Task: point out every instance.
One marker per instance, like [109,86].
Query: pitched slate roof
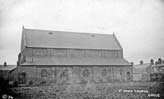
[7,68]
[145,65]
[63,39]
[78,61]
[140,68]
[158,65]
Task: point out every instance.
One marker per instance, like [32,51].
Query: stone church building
[62,57]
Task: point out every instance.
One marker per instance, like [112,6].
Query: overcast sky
[138,24]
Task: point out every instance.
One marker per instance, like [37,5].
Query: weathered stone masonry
[63,58]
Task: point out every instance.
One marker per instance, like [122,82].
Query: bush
[43,82]
[15,83]
[31,82]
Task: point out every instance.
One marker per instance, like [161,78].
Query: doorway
[22,77]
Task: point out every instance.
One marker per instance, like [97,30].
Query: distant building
[157,72]
[159,68]
[67,57]
[6,71]
[142,71]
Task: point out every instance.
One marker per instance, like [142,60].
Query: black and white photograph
[81,49]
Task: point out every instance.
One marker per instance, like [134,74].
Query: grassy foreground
[130,90]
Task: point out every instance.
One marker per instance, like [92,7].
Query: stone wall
[30,54]
[75,74]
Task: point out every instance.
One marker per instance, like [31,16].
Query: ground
[130,90]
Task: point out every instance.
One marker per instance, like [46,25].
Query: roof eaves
[28,46]
[127,62]
[158,65]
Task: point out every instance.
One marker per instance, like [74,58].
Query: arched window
[121,72]
[44,73]
[55,74]
[104,72]
[86,73]
[64,74]
[128,75]
[22,77]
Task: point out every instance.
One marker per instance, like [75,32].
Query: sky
[137,24]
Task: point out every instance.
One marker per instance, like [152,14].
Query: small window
[44,73]
[50,33]
[93,35]
[64,74]
[22,77]
[128,76]
[104,72]
[86,73]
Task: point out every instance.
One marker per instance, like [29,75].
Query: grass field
[130,90]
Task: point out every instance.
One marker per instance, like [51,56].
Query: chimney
[132,63]
[152,62]
[141,62]
[23,27]
[5,64]
[159,61]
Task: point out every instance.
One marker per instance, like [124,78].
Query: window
[22,77]
[121,71]
[162,69]
[128,76]
[104,72]
[64,74]
[86,73]
[44,73]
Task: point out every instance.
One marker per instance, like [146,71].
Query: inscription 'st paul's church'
[68,58]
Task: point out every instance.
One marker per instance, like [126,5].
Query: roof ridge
[142,64]
[96,33]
